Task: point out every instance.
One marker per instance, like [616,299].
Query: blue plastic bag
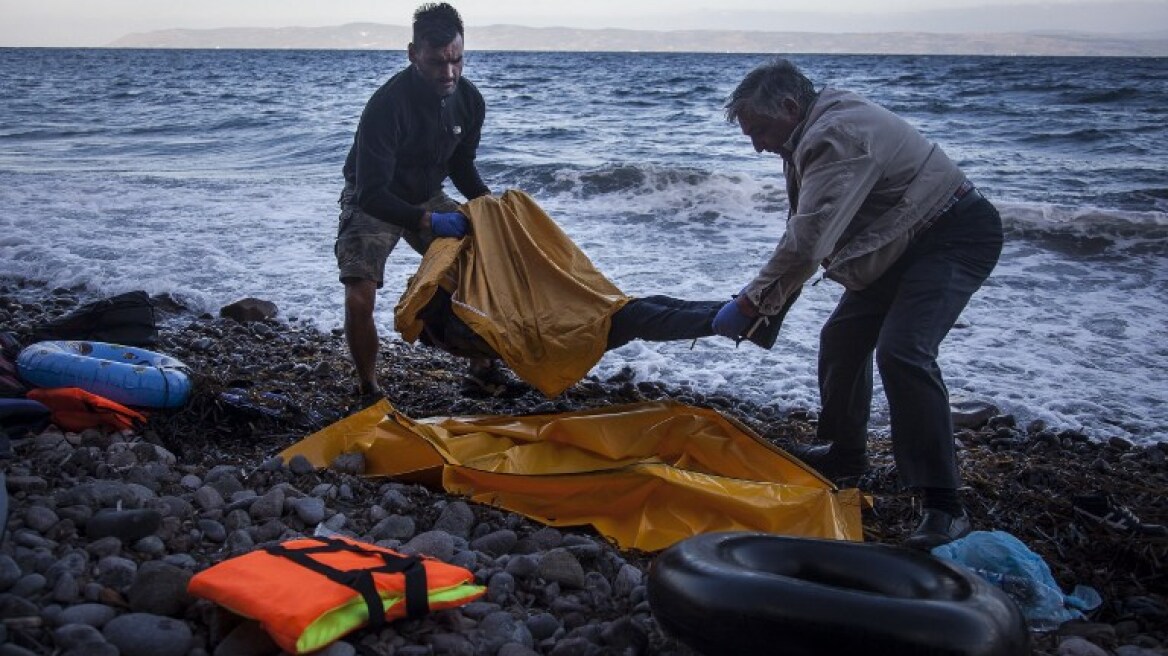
[1025,577]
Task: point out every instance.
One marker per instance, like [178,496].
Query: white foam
[1069,339]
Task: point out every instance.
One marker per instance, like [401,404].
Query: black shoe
[1102,509]
[843,471]
[938,527]
[765,330]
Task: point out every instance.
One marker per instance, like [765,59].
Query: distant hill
[373,36]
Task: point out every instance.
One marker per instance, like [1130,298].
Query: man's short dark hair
[763,90]
[436,24]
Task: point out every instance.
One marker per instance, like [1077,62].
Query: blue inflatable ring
[130,376]
[755,593]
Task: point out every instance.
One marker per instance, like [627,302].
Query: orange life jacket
[74,409]
[308,592]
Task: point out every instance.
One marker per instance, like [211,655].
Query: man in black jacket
[419,128]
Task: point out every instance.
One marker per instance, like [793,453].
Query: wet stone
[145,634]
[126,525]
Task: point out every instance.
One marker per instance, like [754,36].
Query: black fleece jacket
[408,141]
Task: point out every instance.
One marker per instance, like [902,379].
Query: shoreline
[1018,479]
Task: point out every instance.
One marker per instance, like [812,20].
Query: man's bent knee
[360,297]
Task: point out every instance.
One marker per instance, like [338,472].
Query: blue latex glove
[731,322]
[449,224]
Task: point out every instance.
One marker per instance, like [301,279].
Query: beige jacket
[861,183]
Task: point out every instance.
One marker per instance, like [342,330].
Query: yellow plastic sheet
[645,475]
[523,286]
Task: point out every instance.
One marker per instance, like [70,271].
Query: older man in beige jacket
[891,218]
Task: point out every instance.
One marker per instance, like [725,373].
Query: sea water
[213,175]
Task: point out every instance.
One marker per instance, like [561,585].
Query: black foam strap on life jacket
[361,580]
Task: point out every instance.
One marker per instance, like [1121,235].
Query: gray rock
[560,566]
[144,634]
[299,465]
[249,309]
[126,525]
[209,498]
[626,580]
[9,572]
[310,510]
[160,589]
[69,636]
[191,482]
[542,540]
[151,545]
[269,506]
[495,543]
[581,547]
[74,562]
[395,500]
[500,628]
[172,506]
[212,530]
[349,463]
[456,519]
[30,585]
[438,544]
[542,626]
[99,549]
[96,615]
[500,587]
[270,530]
[183,560]
[523,566]
[66,590]
[394,527]
[40,518]
[598,588]
[239,542]
[116,572]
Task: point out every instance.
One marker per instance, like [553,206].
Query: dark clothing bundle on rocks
[127,319]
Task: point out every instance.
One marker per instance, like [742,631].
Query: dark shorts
[364,242]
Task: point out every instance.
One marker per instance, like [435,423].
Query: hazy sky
[98,22]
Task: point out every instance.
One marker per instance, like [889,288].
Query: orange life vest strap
[361,580]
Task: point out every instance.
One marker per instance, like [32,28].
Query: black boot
[843,470]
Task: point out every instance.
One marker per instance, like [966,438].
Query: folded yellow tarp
[645,475]
[523,286]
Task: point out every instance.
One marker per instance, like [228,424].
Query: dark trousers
[902,318]
[662,319]
[653,318]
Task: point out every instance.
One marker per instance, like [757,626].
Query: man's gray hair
[764,89]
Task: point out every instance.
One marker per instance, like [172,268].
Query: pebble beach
[105,529]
